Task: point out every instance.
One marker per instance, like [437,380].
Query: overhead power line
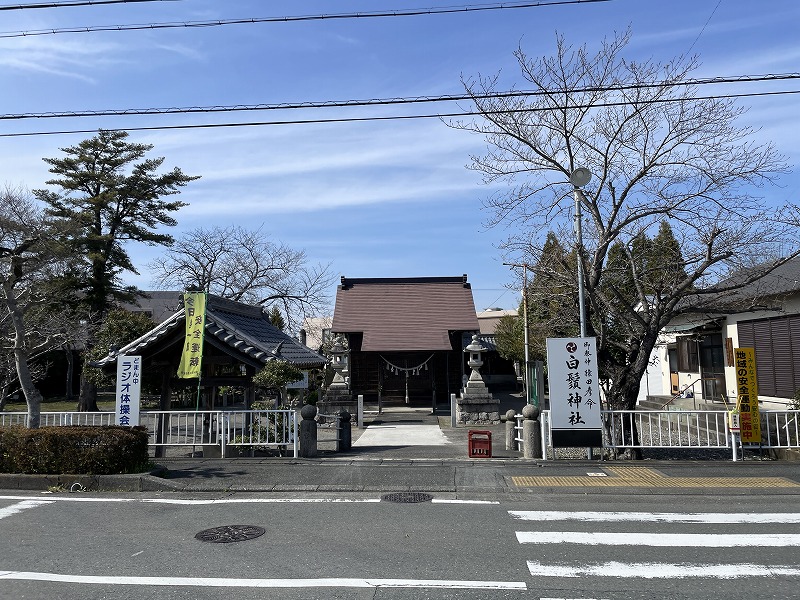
[253,20]
[393,117]
[390,101]
[70,3]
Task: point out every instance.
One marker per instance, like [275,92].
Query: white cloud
[73,58]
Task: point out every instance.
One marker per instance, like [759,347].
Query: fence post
[511,424]
[308,431]
[345,434]
[531,434]
[295,434]
[360,414]
[452,410]
[223,434]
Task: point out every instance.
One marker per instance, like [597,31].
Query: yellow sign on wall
[747,393]
[194,304]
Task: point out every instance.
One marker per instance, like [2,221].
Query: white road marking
[445,501]
[668,540]
[662,571]
[595,517]
[70,498]
[7,511]
[264,583]
[188,502]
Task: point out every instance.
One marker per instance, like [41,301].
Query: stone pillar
[345,432]
[308,431]
[511,423]
[531,432]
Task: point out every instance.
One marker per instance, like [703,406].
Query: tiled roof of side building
[243,328]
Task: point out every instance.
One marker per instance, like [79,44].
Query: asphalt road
[353,545]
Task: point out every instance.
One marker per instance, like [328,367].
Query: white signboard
[129,389]
[299,385]
[574,392]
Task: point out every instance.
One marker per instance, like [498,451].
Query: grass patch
[57,406]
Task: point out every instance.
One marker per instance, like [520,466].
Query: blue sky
[375,199]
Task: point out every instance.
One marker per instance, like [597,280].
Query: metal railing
[329,430]
[49,419]
[780,429]
[690,429]
[518,440]
[681,393]
[666,429]
[252,429]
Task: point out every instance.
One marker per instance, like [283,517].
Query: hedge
[74,449]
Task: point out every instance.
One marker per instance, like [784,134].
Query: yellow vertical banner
[194,304]
[747,393]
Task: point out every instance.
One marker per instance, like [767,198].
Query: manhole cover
[230,533]
[407,497]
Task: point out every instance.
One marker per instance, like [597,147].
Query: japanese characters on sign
[574,391]
[191,359]
[129,388]
[747,394]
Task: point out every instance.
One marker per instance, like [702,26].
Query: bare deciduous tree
[27,257]
[658,154]
[244,265]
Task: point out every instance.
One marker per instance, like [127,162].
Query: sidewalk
[401,464]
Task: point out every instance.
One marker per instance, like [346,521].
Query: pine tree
[276,318]
[113,194]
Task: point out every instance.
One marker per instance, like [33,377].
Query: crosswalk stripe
[7,511]
[673,540]
[644,517]
[662,571]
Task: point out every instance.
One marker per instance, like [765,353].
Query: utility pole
[525,267]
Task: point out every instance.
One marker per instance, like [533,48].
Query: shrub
[73,449]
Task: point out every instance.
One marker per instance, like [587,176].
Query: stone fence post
[511,423]
[308,431]
[345,433]
[531,433]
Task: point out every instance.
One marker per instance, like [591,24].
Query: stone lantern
[475,362]
[339,364]
[476,405]
[337,397]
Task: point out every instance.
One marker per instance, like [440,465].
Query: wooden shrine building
[404,337]
[238,341]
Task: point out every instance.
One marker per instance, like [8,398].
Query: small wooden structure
[238,341]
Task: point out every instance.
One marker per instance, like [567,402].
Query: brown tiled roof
[404,314]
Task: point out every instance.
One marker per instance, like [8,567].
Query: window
[777,345]
[688,356]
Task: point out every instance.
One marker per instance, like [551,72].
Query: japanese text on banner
[129,389]
[191,359]
[747,394]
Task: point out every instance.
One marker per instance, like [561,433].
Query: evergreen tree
[113,194]
[276,318]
